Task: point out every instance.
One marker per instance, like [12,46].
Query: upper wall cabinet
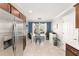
[15,12]
[22,17]
[11,9]
[77,15]
[5,6]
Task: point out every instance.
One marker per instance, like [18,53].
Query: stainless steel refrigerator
[11,32]
[18,37]
[6,21]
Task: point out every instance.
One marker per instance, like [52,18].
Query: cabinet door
[5,6]
[77,15]
[22,17]
[15,12]
[71,51]
[68,53]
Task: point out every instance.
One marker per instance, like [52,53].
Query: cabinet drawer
[5,6]
[72,50]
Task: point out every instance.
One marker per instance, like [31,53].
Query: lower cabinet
[71,51]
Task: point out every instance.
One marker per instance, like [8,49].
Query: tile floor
[45,49]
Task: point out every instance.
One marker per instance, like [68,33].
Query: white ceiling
[43,10]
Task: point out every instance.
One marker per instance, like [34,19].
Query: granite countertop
[74,44]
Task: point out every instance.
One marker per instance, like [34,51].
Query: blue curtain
[30,27]
[48,26]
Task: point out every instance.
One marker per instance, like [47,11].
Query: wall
[64,26]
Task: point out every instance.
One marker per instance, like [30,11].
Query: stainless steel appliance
[18,37]
[11,34]
[6,19]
